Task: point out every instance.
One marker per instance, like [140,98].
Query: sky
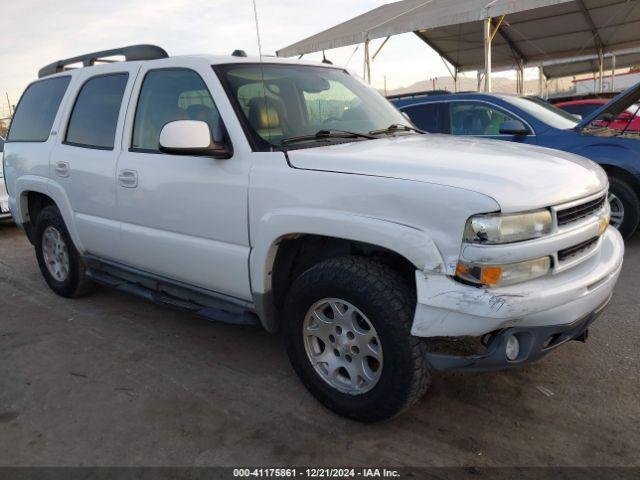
[38,32]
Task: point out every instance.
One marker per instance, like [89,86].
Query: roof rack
[130,53]
[428,93]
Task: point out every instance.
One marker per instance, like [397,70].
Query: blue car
[533,121]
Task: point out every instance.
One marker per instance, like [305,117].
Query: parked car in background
[293,195]
[536,122]
[4,198]
[582,108]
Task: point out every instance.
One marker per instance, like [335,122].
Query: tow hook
[583,336]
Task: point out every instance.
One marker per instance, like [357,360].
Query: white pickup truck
[295,196]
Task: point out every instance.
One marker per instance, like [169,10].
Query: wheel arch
[32,195]
[287,242]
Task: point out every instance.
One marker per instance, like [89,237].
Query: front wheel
[347,331]
[625,207]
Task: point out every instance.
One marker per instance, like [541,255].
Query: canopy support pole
[380,48]
[367,62]
[489,34]
[600,71]
[453,73]
[487,54]
[613,72]
[520,77]
[541,81]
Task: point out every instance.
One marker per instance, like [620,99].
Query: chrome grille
[572,252]
[578,212]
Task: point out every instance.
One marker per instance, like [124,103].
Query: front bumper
[447,308]
[534,343]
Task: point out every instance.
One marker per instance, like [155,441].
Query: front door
[481,119]
[183,217]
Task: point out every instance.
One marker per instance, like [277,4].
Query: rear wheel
[347,329]
[625,207]
[59,261]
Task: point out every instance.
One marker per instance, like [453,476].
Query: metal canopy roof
[590,63]
[533,31]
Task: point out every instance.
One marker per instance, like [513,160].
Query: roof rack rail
[130,53]
[427,93]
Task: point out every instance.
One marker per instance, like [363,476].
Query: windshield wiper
[322,134]
[396,127]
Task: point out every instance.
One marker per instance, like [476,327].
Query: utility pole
[385,85]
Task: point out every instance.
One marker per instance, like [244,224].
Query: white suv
[295,196]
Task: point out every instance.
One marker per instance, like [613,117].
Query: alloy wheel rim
[617,210]
[55,253]
[343,346]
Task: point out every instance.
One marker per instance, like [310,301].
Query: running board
[163,292]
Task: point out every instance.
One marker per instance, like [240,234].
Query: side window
[470,118]
[167,96]
[95,114]
[427,117]
[37,110]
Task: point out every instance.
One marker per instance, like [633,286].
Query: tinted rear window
[37,110]
[95,114]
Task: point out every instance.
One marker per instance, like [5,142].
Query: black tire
[76,283]
[631,204]
[388,302]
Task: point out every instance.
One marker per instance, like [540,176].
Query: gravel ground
[113,380]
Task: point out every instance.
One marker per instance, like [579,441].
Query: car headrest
[263,115]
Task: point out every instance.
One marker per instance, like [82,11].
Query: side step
[162,292]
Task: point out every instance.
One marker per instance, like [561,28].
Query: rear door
[183,217]
[84,161]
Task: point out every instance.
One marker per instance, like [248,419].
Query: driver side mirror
[192,137]
[514,127]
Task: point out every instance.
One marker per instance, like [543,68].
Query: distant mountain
[500,85]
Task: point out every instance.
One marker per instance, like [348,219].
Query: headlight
[507,228]
[502,275]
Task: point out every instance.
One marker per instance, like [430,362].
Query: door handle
[128,178]
[62,169]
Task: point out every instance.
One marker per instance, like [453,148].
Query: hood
[616,106]
[518,177]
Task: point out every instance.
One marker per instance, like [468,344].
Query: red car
[586,107]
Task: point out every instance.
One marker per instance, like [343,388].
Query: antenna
[264,86]
[255,14]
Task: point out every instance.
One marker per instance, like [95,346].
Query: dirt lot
[113,380]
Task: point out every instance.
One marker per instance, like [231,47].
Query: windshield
[281,102]
[544,112]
